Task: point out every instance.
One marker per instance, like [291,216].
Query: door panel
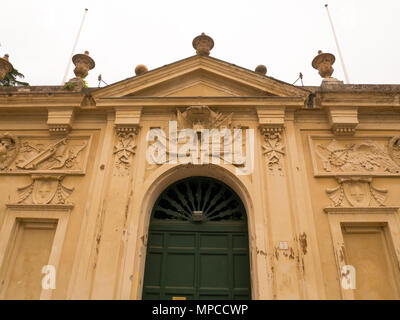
[197,265]
[198,243]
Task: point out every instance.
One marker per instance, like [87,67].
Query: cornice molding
[44,207]
[355,210]
[294,102]
[343,120]
[194,63]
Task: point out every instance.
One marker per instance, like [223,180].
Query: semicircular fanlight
[199,199]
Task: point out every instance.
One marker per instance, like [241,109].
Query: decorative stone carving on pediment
[28,154]
[356,192]
[202,117]
[364,155]
[227,145]
[44,190]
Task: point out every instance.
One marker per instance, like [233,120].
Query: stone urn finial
[203,44]
[5,67]
[83,63]
[323,63]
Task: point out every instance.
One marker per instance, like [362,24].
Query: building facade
[200,180]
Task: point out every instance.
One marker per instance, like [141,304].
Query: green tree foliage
[11,79]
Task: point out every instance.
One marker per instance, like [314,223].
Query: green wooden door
[198,243]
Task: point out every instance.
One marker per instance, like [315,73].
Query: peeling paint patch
[342,253]
[276,253]
[303,242]
[261,252]
[291,255]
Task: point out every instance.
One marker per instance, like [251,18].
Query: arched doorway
[198,243]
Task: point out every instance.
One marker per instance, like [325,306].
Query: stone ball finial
[203,44]
[5,66]
[140,69]
[261,69]
[323,63]
[83,63]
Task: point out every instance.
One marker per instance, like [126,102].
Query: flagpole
[74,47]
[338,47]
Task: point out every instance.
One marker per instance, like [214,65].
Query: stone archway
[197,243]
[145,198]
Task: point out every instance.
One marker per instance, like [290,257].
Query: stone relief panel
[202,117]
[44,189]
[356,192]
[200,135]
[273,147]
[124,149]
[40,154]
[362,156]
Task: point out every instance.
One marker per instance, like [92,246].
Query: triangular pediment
[199,76]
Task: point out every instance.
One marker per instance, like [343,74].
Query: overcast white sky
[284,35]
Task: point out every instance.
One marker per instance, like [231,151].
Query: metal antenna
[338,48]
[73,49]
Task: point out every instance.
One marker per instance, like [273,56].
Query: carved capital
[59,120]
[127,119]
[343,120]
[271,119]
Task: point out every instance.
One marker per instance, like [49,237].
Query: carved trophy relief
[36,154]
[199,135]
[44,190]
[9,148]
[202,117]
[124,149]
[273,147]
[356,192]
[364,156]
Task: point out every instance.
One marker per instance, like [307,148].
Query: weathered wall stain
[303,242]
